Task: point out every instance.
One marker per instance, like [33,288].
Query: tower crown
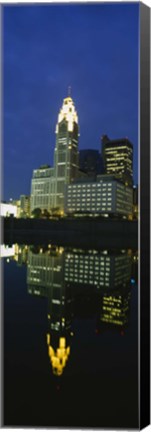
[68,113]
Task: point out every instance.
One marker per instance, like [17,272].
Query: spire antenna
[69,90]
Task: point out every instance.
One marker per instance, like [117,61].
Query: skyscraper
[42,188]
[118,158]
[91,162]
[66,162]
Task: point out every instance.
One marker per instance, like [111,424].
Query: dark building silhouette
[90,161]
[135,195]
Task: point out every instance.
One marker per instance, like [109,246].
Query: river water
[70,337]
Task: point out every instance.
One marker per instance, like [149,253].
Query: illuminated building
[24,206]
[118,158]
[7,251]
[66,162]
[16,203]
[106,195]
[42,188]
[7,209]
[48,184]
[90,161]
[45,277]
[21,254]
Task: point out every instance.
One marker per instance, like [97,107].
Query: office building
[8,209]
[42,188]
[48,184]
[90,161]
[118,158]
[24,206]
[66,161]
[105,195]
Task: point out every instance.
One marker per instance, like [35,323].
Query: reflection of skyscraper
[45,277]
[115,308]
[66,151]
[65,277]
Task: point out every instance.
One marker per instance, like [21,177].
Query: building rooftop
[106,140]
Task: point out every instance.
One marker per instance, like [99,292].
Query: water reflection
[115,309]
[45,277]
[64,276]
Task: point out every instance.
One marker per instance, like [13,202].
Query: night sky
[94,49]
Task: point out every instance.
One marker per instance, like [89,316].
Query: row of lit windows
[97,194]
[96,200]
[99,203]
[120,147]
[86,263]
[90,209]
[87,274]
[90,186]
[88,258]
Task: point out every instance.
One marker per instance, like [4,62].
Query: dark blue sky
[93,48]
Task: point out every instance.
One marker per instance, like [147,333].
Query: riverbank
[72,232]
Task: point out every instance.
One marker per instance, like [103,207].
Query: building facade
[118,158]
[48,184]
[8,209]
[24,206]
[42,188]
[66,158]
[106,195]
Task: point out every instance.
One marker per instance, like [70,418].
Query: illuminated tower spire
[66,162]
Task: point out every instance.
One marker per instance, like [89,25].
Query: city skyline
[32,99]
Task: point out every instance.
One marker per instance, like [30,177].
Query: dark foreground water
[70,337]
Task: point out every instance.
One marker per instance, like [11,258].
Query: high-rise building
[66,162]
[90,162]
[118,158]
[24,206]
[42,188]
